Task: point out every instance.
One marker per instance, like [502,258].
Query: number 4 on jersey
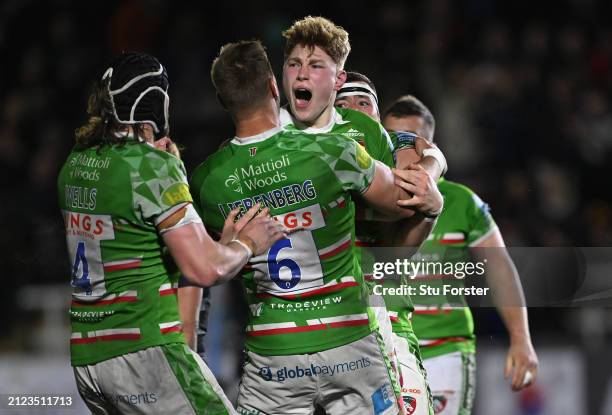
[80,262]
[84,233]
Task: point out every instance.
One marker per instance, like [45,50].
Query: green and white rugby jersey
[306,294]
[382,147]
[352,124]
[124,298]
[442,323]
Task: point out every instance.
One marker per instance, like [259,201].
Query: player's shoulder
[367,131]
[143,156]
[333,144]
[358,118]
[458,192]
[214,161]
[298,140]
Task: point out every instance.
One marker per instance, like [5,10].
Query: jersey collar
[287,119]
[241,141]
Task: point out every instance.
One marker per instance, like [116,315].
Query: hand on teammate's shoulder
[166,144]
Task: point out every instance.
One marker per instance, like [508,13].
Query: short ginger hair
[319,31]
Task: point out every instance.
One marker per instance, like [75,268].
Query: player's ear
[340,79]
[221,101]
[274,88]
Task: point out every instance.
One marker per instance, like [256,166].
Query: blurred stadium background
[521,92]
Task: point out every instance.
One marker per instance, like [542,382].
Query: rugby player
[311,336]
[315,53]
[446,330]
[125,205]
[359,93]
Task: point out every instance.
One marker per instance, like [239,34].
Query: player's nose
[354,106]
[303,72]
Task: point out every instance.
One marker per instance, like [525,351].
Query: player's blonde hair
[319,31]
[99,110]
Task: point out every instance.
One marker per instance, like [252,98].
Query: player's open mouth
[302,97]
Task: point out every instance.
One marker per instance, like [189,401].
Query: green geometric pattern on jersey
[306,294]
[124,296]
[380,145]
[444,324]
[355,125]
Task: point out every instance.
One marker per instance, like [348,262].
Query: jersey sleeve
[201,178]
[196,182]
[355,168]
[481,223]
[384,149]
[402,140]
[161,189]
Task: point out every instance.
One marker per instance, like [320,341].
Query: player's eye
[364,103]
[341,104]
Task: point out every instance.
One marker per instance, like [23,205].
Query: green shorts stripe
[468,387]
[189,375]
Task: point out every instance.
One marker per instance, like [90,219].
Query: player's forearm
[506,291]
[405,157]
[383,194]
[413,231]
[200,259]
[432,167]
[516,322]
[229,261]
[190,300]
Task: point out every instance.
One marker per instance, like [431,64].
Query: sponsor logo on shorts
[410,403]
[144,398]
[411,390]
[382,399]
[296,372]
[439,403]
[265,373]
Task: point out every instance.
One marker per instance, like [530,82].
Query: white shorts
[452,380]
[413,379]
[167,379]
[352,379]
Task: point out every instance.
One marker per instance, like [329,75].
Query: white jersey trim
[483,237]
[258,138]
[336,119]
